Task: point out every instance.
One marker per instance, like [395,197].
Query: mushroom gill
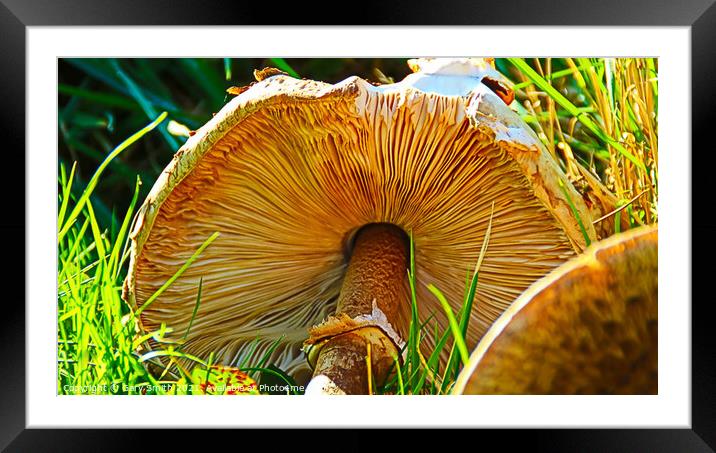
[291,169]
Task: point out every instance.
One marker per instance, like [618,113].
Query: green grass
[417,375]
[600,115]
[98,339]
[556,96]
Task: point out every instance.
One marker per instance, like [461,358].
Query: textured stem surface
[375,279]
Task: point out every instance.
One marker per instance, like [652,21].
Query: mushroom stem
[374,288]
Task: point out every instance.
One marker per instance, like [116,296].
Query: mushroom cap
[589,327]
[290,169]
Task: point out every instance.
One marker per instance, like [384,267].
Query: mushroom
[315,189]
[589,327]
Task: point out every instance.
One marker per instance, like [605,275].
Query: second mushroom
[315,190]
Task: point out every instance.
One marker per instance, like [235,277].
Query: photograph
[357,226]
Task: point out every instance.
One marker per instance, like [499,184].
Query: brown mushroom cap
[589,327]
[290,169]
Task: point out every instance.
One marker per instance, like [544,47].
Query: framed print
[285,211]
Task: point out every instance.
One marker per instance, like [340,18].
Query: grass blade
[196,308]
[143,102]
[110,100]
[465,318]
[115,261]
[414,333]
[401,386]
[253,345]
[66,191]
[266,355]
[468,302]
[227,68]
[454,327]
[538,80]
[95,178]
[575,212]
[284,66]
[177,274]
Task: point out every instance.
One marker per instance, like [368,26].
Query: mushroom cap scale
[290,169]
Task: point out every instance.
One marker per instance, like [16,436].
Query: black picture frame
[699,15]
